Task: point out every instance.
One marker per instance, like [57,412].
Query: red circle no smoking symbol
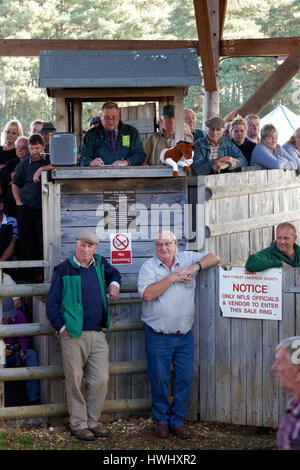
[120,242]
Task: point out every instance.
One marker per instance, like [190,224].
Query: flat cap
[215,123]
[87,236]
[47,127]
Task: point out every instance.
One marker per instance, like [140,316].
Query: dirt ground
[136,434]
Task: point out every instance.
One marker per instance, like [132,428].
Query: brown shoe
[83,434]
[98,431]
[162,430]
[179,431]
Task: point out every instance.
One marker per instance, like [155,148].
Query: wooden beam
[205,44]
[32,47]
[222,15]
[228,48]
[258,47]
[272,86]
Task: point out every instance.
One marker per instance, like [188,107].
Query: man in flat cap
[77,309]
[45,131]
[165,138]
[216,153]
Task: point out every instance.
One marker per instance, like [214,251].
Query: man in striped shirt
[287,366]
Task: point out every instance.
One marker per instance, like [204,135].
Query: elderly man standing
[165,138]
[111,142]
[287,366]
[283,253]
[166,284]
[215,153]
[77,309]
[7,173]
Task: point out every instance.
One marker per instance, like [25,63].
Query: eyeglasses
[21,148]
[11,132]
[111,118]
[167,244]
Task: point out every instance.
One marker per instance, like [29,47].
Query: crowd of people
[76,304]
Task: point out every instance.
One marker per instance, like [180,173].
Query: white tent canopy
[285,121]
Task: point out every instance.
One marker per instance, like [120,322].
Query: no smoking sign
[120,248]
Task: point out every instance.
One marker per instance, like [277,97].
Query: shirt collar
[81,265]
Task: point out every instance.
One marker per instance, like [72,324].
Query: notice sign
[120,248]
[251,295]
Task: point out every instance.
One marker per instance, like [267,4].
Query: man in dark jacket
[77,309]
[111,142]
[283,253]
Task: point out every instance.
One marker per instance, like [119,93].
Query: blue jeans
[162,350]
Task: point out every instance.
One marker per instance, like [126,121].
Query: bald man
[166,284]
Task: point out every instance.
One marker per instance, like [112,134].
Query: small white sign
[243,294]
[120,248]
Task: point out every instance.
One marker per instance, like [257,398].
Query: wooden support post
[77,110]
[211,94]
[61,115]
[179,118]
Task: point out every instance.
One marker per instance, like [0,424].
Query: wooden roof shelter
[210,19]
[72,77]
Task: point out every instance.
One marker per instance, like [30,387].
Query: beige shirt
[154,145]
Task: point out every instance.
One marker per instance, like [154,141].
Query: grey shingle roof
[110,69]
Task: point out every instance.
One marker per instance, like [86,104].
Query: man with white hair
[287,366]
[166,284]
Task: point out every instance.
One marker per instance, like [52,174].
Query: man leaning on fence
[284,253]
[167,284]
[77,309]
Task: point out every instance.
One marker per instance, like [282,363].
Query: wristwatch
[199,264]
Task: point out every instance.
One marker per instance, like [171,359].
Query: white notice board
[251,295]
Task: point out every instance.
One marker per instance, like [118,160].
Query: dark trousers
[30,226]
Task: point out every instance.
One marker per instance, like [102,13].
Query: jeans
[32,386]
[162,350]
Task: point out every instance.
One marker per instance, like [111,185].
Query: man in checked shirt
[287,366]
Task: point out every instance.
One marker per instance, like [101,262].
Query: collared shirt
[113,283]
[154,146]
[214,149]
[288,434]
[173,310]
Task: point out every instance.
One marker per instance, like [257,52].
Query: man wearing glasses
[111,142]
[166,285]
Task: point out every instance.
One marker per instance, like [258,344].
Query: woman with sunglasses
[12,131]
